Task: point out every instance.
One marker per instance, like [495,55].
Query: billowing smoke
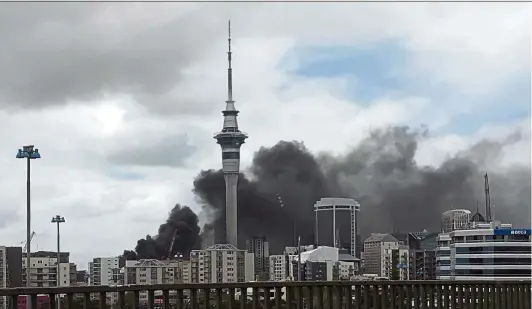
[181,227]
[395,193]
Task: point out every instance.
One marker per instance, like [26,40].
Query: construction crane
[171,245]
[25,244]
[281,204]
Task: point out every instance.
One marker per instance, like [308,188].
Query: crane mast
[171,245]
[488,198]
[26,244]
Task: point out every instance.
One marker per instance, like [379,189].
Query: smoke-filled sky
[122,100]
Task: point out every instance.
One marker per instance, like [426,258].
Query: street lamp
[58,219]
[29,153]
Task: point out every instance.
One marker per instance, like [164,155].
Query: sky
[122,99]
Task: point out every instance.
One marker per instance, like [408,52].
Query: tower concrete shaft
[230,140]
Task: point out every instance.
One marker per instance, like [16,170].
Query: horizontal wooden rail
[280,295]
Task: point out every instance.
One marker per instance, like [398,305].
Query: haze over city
[401,106]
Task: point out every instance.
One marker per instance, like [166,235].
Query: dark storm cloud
[54,52]
[171,151]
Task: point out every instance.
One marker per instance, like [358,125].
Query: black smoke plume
[395,193]
[181,227]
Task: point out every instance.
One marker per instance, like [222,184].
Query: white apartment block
[221,264]
[43,271]
[104,271]
[278,267]
[375,247]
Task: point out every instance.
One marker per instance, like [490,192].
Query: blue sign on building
[512,232]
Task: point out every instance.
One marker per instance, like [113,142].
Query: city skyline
[124,115]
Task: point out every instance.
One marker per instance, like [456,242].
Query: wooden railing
[277,295]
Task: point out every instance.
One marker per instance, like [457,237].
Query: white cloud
[456,45]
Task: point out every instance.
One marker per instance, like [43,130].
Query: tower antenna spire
[230,69]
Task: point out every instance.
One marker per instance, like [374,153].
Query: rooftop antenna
[488,198]
[230,70]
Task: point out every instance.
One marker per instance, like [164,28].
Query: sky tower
[230,139]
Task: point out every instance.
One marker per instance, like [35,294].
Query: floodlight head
[35,154]
[21,154]
[58,219]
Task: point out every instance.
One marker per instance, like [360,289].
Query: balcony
[291,295]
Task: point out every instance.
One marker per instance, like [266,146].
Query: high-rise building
[43,269]
[375,247]
[104,271]
[230,140]
[221,264]
[336,223]
[487,251]
[260,249]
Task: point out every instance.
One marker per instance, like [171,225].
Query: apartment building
[104,271]
[375,247]
[150,271]
[277,267]
[43,269]
[221,264]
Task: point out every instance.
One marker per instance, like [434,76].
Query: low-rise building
[324,264]
[151,271]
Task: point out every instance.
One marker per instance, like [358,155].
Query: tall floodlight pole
[29,153]
[58,220]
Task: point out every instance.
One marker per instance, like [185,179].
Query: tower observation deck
[230,140]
